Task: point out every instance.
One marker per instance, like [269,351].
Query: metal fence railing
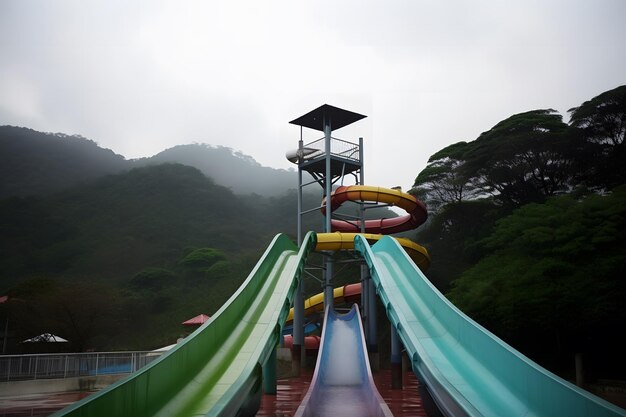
[68,365]
[338,147]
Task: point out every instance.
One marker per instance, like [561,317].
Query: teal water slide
[467,370]
[217,370]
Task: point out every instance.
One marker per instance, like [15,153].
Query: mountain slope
[122,223]
[40,163]
[37,163]
[228,168]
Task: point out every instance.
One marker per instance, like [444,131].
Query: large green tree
[444,180]
[553,270]
[601,122]
[525,158]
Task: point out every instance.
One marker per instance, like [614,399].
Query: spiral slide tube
[217,370]
[416,210]
[342,384]
[466,369]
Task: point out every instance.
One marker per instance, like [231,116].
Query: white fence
[68,365]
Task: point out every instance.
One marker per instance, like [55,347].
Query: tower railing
[338,147]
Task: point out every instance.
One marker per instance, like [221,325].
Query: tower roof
[338,118]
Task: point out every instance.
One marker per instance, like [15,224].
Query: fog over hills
[229,168]
[35,163]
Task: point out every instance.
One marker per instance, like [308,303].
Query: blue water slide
[467,370]
[342,383]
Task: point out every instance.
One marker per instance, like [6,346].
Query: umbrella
[196,321]
[45,337]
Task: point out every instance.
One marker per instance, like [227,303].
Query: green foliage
[146,220]
[202,259]
[452,237]
[603,118]
[555,268]
[444,181]
[601,123]
[152,278]
[534,254]
[83,313]
[522,159]
[228,168]
[33,286]
[36,163]
[525,158]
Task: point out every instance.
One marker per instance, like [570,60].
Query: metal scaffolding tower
[327,160]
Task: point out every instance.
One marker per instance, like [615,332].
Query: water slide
[342,383]
[416,212]
[467,370]
[346,294]
[350,293]
[217,370]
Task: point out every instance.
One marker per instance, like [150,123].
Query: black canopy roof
[338,118]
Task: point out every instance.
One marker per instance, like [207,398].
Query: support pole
[269,374]
[396,360]
[370,291]
[373,323]
[328,272]
[298,350]
[364,302]
[365,276]
[580,373]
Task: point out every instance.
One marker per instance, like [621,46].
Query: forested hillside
[228,168]
[527,232]
[161,243]
[34,163]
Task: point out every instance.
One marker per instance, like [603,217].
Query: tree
[452,237]
[152,278]
[444,181]
[525,158]
[553,270]
[81,313]
[202,259]
[603,118]
[601,121]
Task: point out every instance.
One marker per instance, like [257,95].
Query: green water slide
[217,370]
[466,369]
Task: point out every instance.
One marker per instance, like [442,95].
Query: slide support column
[372,322]
[396,360]
[364,302]
[269,374]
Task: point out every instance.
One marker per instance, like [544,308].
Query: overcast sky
[142,76]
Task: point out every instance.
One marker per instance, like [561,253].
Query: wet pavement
[38,405]
[405,402]
[290,391]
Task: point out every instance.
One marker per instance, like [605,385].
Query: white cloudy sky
[141,76]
